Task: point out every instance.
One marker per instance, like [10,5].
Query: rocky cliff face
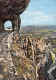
[32,52]
[10,10]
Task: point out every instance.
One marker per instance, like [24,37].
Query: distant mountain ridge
[35,27]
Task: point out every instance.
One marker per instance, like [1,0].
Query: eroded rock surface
[10,10]
[7,69]
[32,52]
[24,58]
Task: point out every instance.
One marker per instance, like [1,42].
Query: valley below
[29,55]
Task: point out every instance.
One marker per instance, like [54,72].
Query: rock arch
[8,25]
[11,10]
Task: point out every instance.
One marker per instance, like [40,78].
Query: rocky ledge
[24,58]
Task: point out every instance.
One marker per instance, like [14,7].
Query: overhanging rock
[11,10]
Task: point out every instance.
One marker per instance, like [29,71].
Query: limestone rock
[32,52]
[10,10]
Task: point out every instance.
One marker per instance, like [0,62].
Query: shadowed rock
[10,10]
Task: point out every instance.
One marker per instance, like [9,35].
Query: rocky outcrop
[24,58]
[7,69]
[14,66]
[30,51]
[11,10]
[25,68]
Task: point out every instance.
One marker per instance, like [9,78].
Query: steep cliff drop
[11,10]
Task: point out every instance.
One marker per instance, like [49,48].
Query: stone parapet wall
[7,69]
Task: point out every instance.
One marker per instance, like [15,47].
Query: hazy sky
[39,12]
